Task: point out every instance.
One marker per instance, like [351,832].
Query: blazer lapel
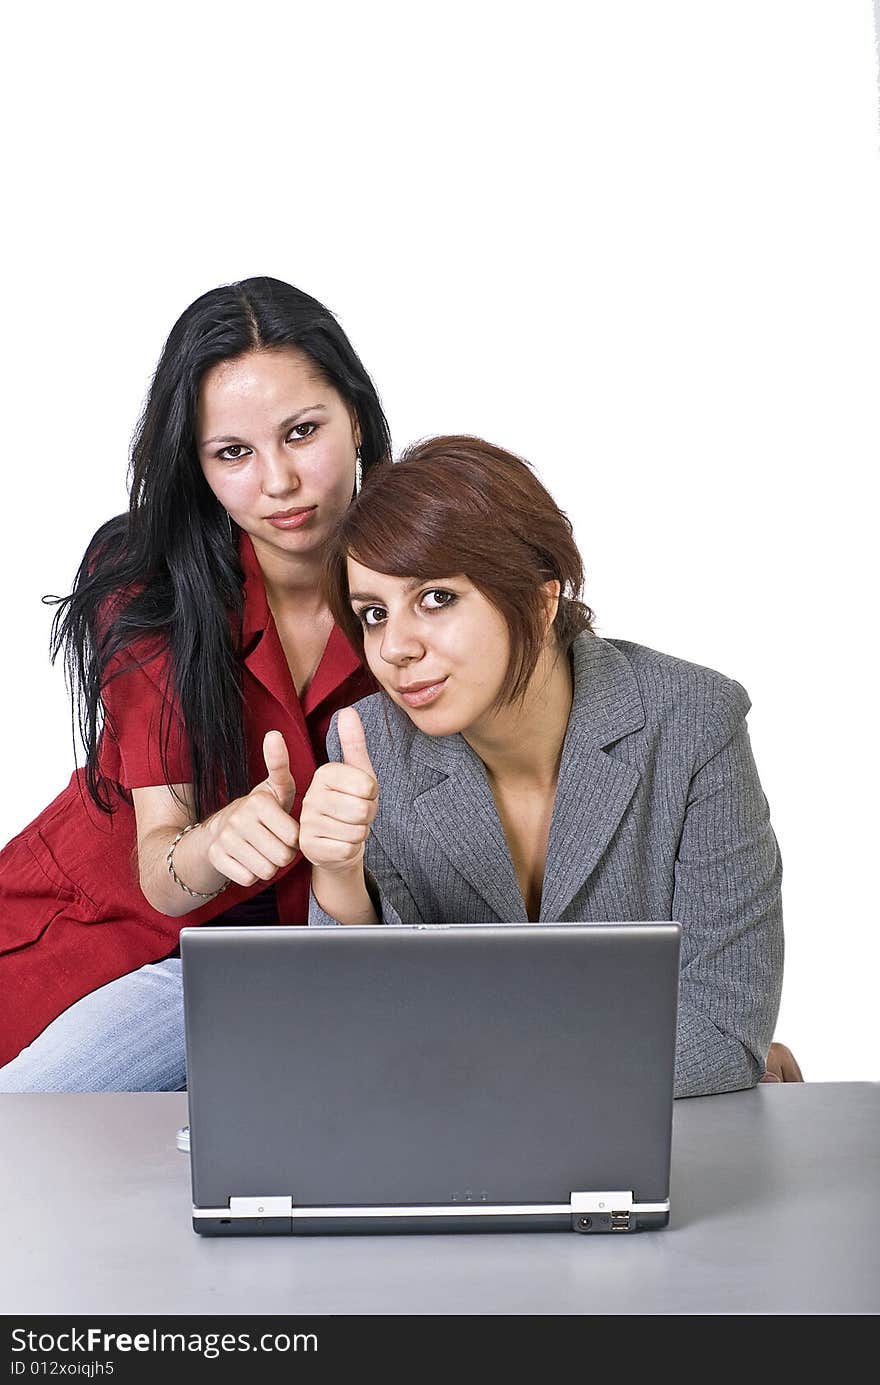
[458,814]
[591,798]
[594,789]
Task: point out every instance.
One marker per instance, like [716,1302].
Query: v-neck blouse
[72,914]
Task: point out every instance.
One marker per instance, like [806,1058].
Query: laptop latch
[603,1211]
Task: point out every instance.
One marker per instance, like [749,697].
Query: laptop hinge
[261,1206]
[602,1211]
[602,1202]
[610,1211]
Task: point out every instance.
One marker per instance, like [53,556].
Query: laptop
[442,1078]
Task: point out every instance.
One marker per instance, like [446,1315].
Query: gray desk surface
[775,1209]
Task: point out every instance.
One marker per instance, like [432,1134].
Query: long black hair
[167,574]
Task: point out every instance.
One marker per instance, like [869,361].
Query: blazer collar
[458,810]
[594,789]
[606,704]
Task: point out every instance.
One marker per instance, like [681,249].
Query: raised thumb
[280,779]
[353,741]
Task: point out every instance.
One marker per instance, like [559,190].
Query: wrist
[189,864]
[342,893]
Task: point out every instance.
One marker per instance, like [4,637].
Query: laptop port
[591,1222]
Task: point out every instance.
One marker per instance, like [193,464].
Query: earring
[229,523]
[358,472]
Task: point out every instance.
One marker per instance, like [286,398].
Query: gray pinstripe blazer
[659,814]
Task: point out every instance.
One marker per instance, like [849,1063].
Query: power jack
[598,1221]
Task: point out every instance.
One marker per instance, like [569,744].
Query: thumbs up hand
[253,837]
[341,803]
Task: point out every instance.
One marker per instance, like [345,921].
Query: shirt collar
[255,616]
[338,661]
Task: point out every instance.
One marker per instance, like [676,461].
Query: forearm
[707,1060]
[727,898]
[191,863]
[343,895]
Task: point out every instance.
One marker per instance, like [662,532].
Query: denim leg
[126,1036]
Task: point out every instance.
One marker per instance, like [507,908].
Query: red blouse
[72,915]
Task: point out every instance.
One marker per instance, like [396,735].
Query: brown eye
[437,598]
[372,615]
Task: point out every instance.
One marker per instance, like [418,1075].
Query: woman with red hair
[516,767]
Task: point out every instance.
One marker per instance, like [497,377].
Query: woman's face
[439,648]
[277,446]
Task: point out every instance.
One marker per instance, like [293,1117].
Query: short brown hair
[459,505]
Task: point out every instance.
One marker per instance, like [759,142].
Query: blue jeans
[125,1037]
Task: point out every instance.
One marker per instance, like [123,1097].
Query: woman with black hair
[206,668]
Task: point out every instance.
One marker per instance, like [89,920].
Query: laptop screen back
[359,1066]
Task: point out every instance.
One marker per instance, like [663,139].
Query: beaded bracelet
[196,894]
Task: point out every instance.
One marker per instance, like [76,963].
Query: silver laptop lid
[416,1066]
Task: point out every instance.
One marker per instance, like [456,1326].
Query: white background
[635,242]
